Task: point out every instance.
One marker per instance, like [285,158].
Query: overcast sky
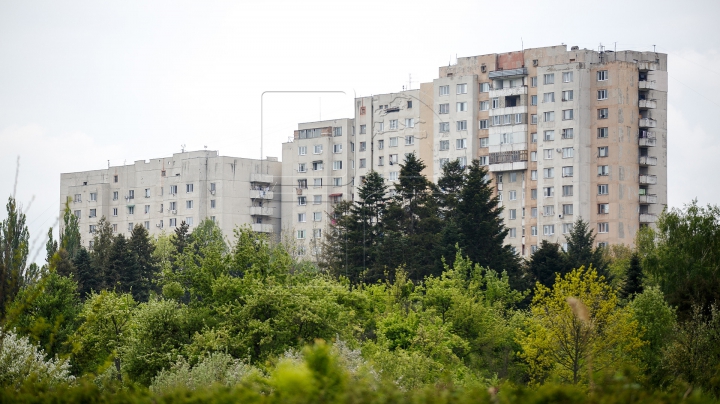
[85,82]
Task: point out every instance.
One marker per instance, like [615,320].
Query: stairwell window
[301,218]
[533,81]
[533,194]
[115,211]
[173,189]
[363,163]
[533,175]
[533,119]
[337,148]
[512,232]
[131,194]
[131,210]
[444,145]
[93,213]
[173,222]
[533,212]
[381,144]
[115,195]
[93,196]
[548,172]
[188,204]
[212,203]
[513,196]
[484,87]
[147,192]
[188,188]
[147,209]
[533,100]
[337,181]
[533,232]
[337,165]
[484,141]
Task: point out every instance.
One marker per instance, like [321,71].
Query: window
[567,77]
[115,211]
[381,144]
[381,126]
[495,103]
[549,97]
[568,152]
[443,90]
[409,104]
[603,208]
[548,192]
[302,167]
[499,178]
[147,193]
[93,196]
[484,141]
[317,199]
[301,218]
[363,146]
[461,106]
[409,122]
[301,236]
[500,197]
[549,116]
[548,172]
[533,119]
[602,132]
[444,161]
[519,118]
[302,183]
[115,195]
[337,131]
[567,171]
[381,161]
[533,81]
[549,78]
[567,133]
[131,194]
[337,148]
[173,205]
[173,189]
[317,182]
[533,212]
[603,113]
[302,200]
[393,142]
[533,100]
[131,210]
[483,160]
[512,233]
[567,227]
[483,123]
[603,189]
[409,140]
[602,95]
[147,209]
[444,127]
[567,209]
[93,212]
[115,178]
[212,187]
[188,188]
[173,222]
[533,138]
[317,233]
[484,87]
[393,124]
[188,204]
[548,154]
[147,225]
[317,149]
[461,144]
[567,95]
[567,114]
[461,89]
[484,105]
[603,170]
[548,210]
[533,232]
[393,175]
[603,227]
[461,125]
[567,190]
[363,163]
[317,165]
[212,203]
[603,151]
[602,75]
[549,135]
[533,175]
[337,181]
[549,229]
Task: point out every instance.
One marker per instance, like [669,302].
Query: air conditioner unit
[157,225]
[212,192]
[173,211]
[560,216]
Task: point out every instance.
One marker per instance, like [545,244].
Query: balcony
[261,194]
[261,211]
[508,73]
[647,104]
[647,142]
[648,218]
[509,160]
[646,85]
[648,199]
[647,123]
[648,161]
[504,92]
[648,179]
[262,228]
[266,178]
[647,66]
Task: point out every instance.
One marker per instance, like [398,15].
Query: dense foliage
[197,316]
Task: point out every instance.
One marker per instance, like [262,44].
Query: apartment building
[188,187]
[318,171]
[565,134]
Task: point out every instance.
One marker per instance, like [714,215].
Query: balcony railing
[645,66]
[648,218]
[647,142]
[648,198]
[646,85]
[266,178]
[261,194]
[648,161]
[508,73]
[262,228]
[647,104]
[261,211]
[647,123]
[508,156]
[648,179]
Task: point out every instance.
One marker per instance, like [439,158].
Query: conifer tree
[368,213]
[122,274]
[580,250]
[546,263]
[100,253]
[633,284]
[70,235]
[450,186]
[145,265]
[51,246]
[89,280]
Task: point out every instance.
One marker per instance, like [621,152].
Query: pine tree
[367,216]
[633,285]
[100,253]
[89,280]
[145,265]
[450,186]
[122,273]
[546,263]
[580,250]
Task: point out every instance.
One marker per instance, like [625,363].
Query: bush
[21,361]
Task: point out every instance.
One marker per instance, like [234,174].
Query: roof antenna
[182,148]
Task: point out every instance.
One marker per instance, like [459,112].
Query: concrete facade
[161,193]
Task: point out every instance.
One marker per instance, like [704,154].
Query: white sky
[85,82]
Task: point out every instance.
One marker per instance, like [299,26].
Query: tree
[658,322]
[546,263]
[633,284]
[88,278]
[14,249]
[182,237]
[122,273]
[683,256]
[450,185]
[580,251]
[577,327]
[20,361]
[144,263]
[51,246]
[100,253]
[70,233]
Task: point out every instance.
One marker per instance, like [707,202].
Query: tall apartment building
[565,134]
[161,193]
[318,170]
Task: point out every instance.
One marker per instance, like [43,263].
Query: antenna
[522,45]
[182,148]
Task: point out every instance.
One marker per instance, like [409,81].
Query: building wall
[150,182]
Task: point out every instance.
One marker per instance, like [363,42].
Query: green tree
[51,246]
[546,263]
[122,273]
[144,263]
[581,251]
[633,284]
[89,279]
[100,254]
[577,328]
[14,249]
[657,321]
[70,232]
[450,187]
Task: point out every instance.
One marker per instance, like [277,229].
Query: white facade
[161,193]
